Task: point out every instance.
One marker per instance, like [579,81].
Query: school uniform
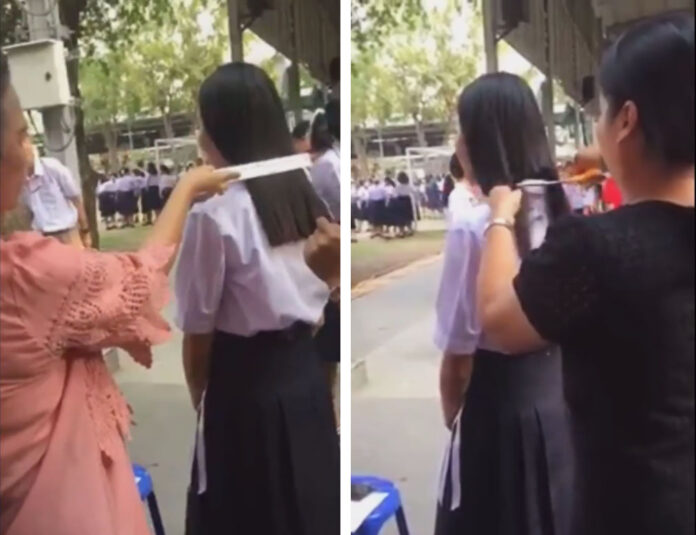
[354,207]
[377,195]
[123,201]
[138,184]
[153,201]
[576,197]
[460,201]
[508,467]
[326,178]
[166,186]
[363,201]
[266,455]
[403,206]
[49,194]
[103,197]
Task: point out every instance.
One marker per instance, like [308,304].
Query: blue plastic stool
[390,506]
[147,492]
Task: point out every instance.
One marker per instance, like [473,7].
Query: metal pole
[490,40]
[547,86]
[58,122]
[235,30]
[294,72]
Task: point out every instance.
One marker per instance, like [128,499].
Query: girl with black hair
[152,202]
[326,172]
[402,206]
[508,469]
[616,292]
[266,458]
[167,181]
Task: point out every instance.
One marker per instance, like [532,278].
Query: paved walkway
[397,429]
[164,424]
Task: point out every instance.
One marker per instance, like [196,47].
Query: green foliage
[418,71]
[10,22]
[373,20]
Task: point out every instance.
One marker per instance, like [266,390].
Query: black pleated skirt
[509,468]
[166,192]
[151,199]
[328,339]
[271,459]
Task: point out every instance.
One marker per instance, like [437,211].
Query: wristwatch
[499,222]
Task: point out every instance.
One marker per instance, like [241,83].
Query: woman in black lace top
[616,292]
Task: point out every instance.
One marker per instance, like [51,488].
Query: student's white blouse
[229,278]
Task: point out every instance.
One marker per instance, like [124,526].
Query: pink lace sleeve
[91,300]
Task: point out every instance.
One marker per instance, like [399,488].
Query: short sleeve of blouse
[557,285]
[457,329]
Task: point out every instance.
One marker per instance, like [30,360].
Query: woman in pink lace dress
[65,470]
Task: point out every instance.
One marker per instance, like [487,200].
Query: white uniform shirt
[460,201]
[326,178]
[575,196]
[377,192]
[48,194]
[123,183]
[457,328]
[110,186]
[167,182]
[229,278]
[152,180]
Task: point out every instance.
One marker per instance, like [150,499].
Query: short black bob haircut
[402,178]
[455,168]
[652,65]
[505,138]
[243,115]
[504,132]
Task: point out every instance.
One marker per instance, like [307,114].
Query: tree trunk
[111,141]
[87,174]
[420,132]
[70,16]
[168,129]
[361,152]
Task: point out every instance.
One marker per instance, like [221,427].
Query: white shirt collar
[39,169]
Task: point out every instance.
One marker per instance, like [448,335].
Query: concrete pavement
[164,425]
[397,430]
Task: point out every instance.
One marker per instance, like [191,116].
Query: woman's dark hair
[402,178]
[4,74]
[125,171]
[506,141]
[504,132]
[4,84]
[320,138]
[242,114]
[335,70]
[652,65]
[456,168]
[164,169]
[389,182]
[301,129]
[333,118]
[151,168]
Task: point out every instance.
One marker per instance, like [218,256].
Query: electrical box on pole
[39,74]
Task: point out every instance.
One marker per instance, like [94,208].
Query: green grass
[123,240]
[374,257]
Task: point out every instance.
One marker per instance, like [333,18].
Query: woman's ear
[626,121]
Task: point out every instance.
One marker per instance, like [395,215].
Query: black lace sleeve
[557,284]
